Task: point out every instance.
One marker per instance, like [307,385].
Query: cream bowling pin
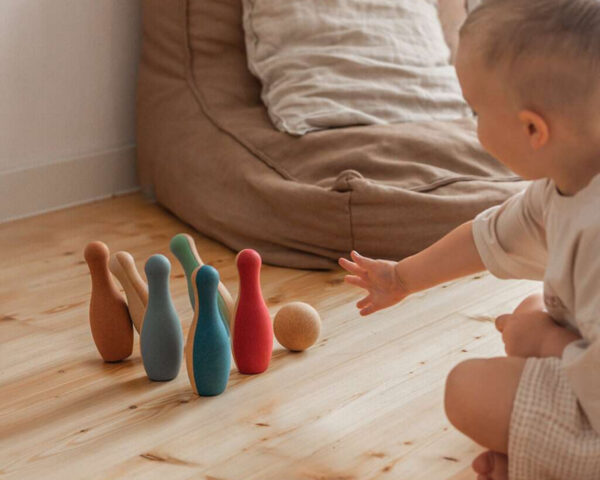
[123,267]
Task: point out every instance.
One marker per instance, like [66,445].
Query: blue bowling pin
[207,350]
[161,338]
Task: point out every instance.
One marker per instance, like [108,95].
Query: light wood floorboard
[366,402]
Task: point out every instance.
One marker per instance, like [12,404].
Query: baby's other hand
[378,277]
[524,334]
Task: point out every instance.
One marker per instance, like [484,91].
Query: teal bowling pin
[183,247]
[161,338]
[207,350]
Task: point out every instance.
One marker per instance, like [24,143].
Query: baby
[530,69]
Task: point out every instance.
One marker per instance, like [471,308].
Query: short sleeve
[581,359]
[586,283]
[511,238]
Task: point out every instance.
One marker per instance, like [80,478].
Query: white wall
[67,97]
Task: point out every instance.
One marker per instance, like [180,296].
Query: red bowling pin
[252,332]
[109,316]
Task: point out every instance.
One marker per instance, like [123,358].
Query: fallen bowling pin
[123,267]
[110,321]
[207,350]
[252,334]
[183,247]
[161,339]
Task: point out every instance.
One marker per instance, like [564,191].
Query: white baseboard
[36,190]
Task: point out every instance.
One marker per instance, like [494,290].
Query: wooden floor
[366,402]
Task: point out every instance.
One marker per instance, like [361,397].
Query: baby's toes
[491,466]
[484,463]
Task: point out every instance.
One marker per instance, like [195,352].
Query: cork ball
[297,326]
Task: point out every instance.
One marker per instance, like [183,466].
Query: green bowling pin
[183,247]
[207,350]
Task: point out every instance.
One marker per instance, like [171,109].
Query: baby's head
[531,71]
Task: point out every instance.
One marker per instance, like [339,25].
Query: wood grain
[365,402]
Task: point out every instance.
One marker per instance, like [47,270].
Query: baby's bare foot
[491,466]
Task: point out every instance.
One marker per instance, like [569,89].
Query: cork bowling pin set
[219,327]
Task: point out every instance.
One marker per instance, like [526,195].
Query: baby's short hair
[551,48]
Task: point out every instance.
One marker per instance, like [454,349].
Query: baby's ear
[535,128]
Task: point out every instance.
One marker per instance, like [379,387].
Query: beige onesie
[540,234]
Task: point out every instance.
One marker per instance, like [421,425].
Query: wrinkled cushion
[337,63]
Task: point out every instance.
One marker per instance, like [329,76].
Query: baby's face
[499,129]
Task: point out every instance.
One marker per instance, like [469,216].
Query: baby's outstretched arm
[453,256]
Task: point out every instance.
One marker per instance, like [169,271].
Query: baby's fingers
[366,305]
[363,262]
[364,301]
[357,281]
[351,267]
[368,310]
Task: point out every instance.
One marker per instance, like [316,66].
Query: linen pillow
[337,63]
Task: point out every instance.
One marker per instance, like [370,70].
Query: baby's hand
[378,277]
[526,334]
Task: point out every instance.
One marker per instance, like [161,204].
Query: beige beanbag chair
[208,149]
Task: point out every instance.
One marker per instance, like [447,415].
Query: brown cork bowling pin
[109,316]
[252,333]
